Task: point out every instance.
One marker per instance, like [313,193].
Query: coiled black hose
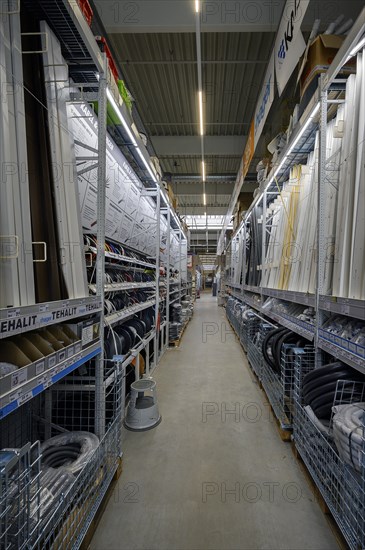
[320,386]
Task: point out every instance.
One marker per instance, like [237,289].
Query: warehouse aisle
[214,474]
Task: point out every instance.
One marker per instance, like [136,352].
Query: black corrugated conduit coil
[320,387]
[71,450]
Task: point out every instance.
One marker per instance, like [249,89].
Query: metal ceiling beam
[211,177]
[127,62]
[190,145]
[200,210]
[245,124]
[183,188]
[220,187]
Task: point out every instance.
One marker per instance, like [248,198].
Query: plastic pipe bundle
[348,433]
[349,267]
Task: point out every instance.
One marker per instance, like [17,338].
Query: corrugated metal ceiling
[161,72]
[192,165]
[197,200]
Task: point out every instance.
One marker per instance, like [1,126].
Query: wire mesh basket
[257,330]
[54,508]
[342,488]
[20,496]
[279,387]
[246,328]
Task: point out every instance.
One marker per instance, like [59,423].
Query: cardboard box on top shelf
[170,193]
[321,53]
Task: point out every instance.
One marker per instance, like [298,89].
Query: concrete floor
[205,478]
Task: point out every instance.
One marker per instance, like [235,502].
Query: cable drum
[348,433]
[71,451]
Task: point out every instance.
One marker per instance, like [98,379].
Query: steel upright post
[158,245]
[321,253]
[100,258]
[168,276]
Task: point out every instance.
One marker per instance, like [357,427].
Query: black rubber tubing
[289,338]
[341,375]
[326,369]
[276,346]
[320,390]
[266,343]
[325,402]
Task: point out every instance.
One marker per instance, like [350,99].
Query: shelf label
[25,397]
[13,313]
[19,377]
[14,396]
[39,368]
[52,361]
[47,383]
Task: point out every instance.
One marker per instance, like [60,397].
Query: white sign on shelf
[289,44]
[265,101]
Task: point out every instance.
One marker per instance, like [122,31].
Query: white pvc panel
[16,257]
[65,189]
[357,264]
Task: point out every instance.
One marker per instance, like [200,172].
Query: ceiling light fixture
[146,165]
[357,48]
[197,6]
[203,170]
[204,199]
[120,116]
[200,95]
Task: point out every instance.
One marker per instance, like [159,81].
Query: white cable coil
[348,433]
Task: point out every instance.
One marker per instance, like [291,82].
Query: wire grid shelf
[342,488]
[279,387]
[231,314]
[256,331]
[20,496]
[245,330]
[73,514]
[71,403]
[67,504]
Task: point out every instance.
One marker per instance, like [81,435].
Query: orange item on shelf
[103,45]
[86,10]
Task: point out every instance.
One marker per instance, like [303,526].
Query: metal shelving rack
[301,143]
[29,397]
[341,487]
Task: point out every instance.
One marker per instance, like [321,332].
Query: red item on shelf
[86,10]
[103,45]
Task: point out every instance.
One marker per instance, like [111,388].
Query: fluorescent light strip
[204,199]
[357,48]
[120,116]
[197,6]
[299,136]
[200,94]
[146,165]
[203,169]
[313,114]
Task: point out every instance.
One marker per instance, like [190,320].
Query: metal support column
[321,255]
[158,246]
[244,260]
[263,244]
[168,277]
[180,239]
[100,258]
